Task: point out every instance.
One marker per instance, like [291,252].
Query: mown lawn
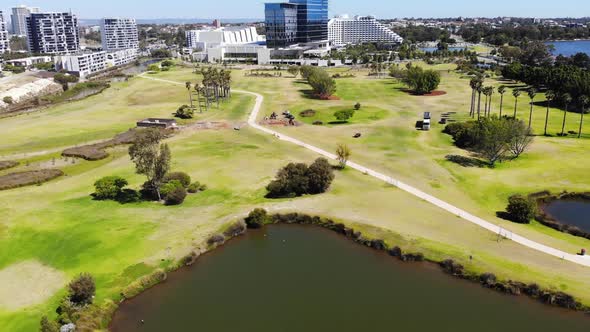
[60,226]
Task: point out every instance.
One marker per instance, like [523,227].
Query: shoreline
[448,266]
[545,198]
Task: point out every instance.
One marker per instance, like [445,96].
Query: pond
[570,212]
[569,48]
[301,278]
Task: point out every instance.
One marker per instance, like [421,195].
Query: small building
[157,123]
[29,62]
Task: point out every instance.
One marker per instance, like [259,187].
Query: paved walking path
[405,187]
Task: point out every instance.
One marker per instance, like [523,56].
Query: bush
[48,326]
[161,53]
[8,100]
[307,113]
[521,209]
[109,187]
[420,80]
[153,68]
[182,177]
[194,187]
[257,218]
[357,106]
[184,112]
[173,192]
[65,78]
[82,289]
[167,63]
[344,115]
[298,179]
[144,283]
[322,83]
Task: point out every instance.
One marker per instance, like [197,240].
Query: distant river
[569,48]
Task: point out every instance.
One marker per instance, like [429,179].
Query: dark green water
[308,279]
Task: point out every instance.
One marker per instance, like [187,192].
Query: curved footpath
[405,187]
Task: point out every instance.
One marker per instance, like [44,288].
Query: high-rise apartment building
[19,19]
[281,24]
[4,41]
[343,30]
[312,20]
[308,19]
[53,33]
[119,34]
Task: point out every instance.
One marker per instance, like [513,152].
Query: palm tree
[549,95]
[567,99]
[584,101]
[473,85]
[479,92]
[190,95]
[501,91]
[486,93]
[532,94]
[490,93]
[516,94]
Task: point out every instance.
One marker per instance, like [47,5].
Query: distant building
[281,24]
[217,24]
[360,29]
[82,64]
[121,57]
[53,33]
[19,19]
[296,22]
[312,20]
[29,62]
[4,40]
[227,44]
[119,34]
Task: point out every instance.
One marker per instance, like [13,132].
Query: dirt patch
[22,179]
[432,94]
[28,283]
[7,164]
[216,125]
[280,123]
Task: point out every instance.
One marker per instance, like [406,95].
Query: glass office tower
[281,24]
[312,20]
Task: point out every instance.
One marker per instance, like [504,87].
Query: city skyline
[250,9]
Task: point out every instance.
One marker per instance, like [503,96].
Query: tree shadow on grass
[503,215]
[338,122]
[467,161]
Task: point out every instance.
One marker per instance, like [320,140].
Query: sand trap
[28,283]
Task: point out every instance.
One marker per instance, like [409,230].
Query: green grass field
[59,231]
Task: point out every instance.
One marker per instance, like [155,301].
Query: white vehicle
[426,124]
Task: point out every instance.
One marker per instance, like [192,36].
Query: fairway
[57,228]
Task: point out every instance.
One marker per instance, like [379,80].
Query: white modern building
[82,64]
[121,57]
[228,44]
[19,19]
[53,33]
[4,40]
[29,62]
[119,34]
[344,30]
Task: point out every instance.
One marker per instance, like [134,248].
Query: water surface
[569,48]
[294,278]
[570,212]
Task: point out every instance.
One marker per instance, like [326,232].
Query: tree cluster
[495,139]
[421,81]
[296,180]
[321,82]
[521,209]
[510,34]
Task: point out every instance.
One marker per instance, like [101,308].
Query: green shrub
[65,78]
[299,179]
[307,113]
[194,187]
[8,100]
[48,326]
[257,218]
[344,115]
[153,68]
[82,289]
[167,63]
[203,187]
[173,192]
[357,106]
[109,187]
[181,177]
[521,209]
[184,112]
[144,283]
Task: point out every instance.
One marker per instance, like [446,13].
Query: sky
[149,9]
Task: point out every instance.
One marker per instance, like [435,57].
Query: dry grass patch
[22,179]
[28,283]
[7,164]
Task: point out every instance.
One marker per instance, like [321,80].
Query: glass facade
[312,20]
[281,24]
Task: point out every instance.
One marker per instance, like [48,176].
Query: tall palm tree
[516,94]
[486,92]
[190,95]
[479,92]
[473,85]
[501,91]
[491,94]
[532,94]
[549,95]
[567,99]
[584,101]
